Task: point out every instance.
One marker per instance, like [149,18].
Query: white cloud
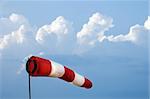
[147,23]
[20,40]
[138,34]
[56,37]
[19,19]
[17,38]
[94,30]
[58,29]
[12,23]
[13,30]
[14,37]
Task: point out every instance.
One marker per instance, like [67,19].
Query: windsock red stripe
[87,84]
[46,69]
[69,75]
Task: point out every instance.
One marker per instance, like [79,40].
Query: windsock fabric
[37,66]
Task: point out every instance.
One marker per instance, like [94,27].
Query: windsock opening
[36,66]
[31,66]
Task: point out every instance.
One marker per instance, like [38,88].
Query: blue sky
[107,41]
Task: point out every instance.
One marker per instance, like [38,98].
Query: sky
[107,41]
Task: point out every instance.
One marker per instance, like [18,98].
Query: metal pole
[29,88]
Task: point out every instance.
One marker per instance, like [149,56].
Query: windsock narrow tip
[87,84]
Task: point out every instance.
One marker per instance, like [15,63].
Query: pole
[29,88]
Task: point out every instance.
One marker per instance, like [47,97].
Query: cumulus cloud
[57,36]
[94,30]
[13,30]
[98,24]
[18,40]
[59,28]
[16,37]
[12,23]
[147,23]
[138,34]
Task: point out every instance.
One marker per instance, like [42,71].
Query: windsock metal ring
[37,66]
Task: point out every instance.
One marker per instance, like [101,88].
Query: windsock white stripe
[57,69]
[78,80]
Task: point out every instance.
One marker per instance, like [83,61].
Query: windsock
[37,66]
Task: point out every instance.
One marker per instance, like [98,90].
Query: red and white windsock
[37,66]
